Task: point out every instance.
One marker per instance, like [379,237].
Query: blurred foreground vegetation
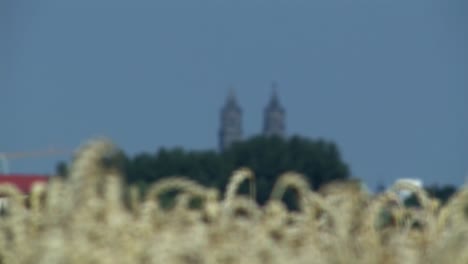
[93,216]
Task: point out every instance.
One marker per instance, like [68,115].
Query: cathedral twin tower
[231,120]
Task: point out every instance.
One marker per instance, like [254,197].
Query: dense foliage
[268,157]
[443,193]
[318,160]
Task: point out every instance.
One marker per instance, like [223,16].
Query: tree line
[318,160]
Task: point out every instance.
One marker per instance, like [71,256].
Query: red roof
[23,182]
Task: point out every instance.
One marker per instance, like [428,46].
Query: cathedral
[231,120]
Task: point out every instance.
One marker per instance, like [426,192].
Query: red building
[23,182]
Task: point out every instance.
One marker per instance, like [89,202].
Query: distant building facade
[231,122]
[274,120]
[274,117]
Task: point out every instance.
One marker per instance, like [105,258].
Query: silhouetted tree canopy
[443,193]
[268,157]
[318,160]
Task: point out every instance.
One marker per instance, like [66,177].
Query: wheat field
[93,217]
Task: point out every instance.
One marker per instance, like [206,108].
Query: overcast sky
[386,80]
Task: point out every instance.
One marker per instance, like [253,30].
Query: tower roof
[231,102]
[274,104]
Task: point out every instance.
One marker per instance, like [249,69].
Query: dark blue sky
[387,80]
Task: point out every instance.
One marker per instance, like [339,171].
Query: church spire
[274,101]
[231,122]
[231,101]
[274,115]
